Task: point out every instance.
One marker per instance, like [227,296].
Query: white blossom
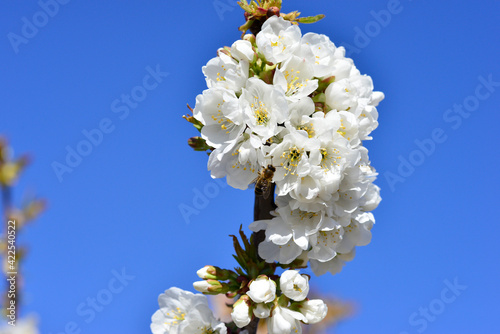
[326,243]
[285,321]
[279,245]
[240,161]
[295,78]
[357,233]
[284,254]
[262,311]
[184,312]
[262,290]
[319,51]
[243,50]
[224,71]
[314,310]
[218,109]
[264,108]
[278,39]
[293,285]
[292,160]
[334,266]
[241,313]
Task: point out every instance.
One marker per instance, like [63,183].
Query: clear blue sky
[118,208]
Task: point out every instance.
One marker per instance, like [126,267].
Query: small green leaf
[311,19]
[198,144]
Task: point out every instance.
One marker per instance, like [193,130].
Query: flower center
[176,315]
[306,215]
[247,165]
[342,129]
[260,112]
[329,159]
[225,123]
[328,237]
[278,42]
[221,77]
[292,158]
[309,128]
[206,330]
[293,81]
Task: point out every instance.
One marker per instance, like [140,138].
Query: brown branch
[262,210]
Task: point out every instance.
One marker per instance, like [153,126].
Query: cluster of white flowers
[297,103]
[283,311]
[182,312]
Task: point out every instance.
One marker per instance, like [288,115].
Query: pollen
[330,158]
[294,83]
[309,128]
[260,112]
[292,158]
[176,315]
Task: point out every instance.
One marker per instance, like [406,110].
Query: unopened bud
[212,272]
[250,38]
[273,11]
[207,272]
[211,287]
[242,312]
[225,50]
[201,286]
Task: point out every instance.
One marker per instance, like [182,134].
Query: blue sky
[113,236]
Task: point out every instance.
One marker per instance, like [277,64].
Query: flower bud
[250,38]
[201,286]
[207,272]
[211,287]
[262,290]
[243,50]
[293,285]
[314,310]
[241,313]
[225,50]
[261,311]
[212,272]
[273,11]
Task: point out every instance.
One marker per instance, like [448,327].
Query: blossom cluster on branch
[288,112]
[288,303]
[298,104]
[284,297]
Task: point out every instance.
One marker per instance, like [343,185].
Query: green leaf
[199,144]
[311,19]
